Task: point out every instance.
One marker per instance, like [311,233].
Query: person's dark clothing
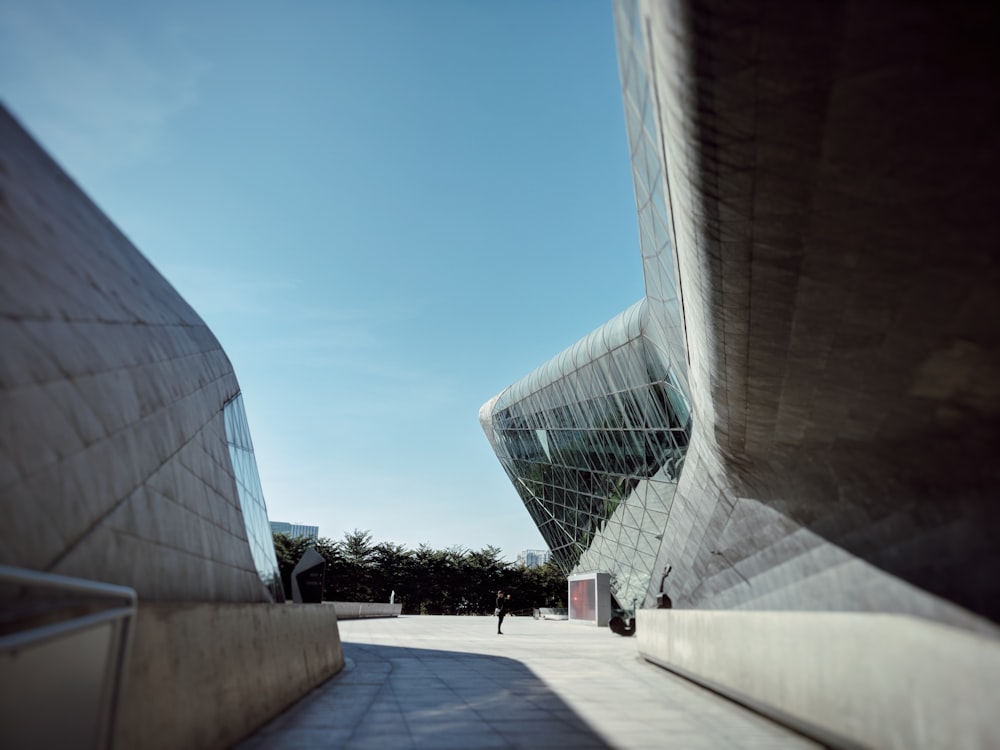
[503,604]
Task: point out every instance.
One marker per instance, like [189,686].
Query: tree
[484,574]
[330,550]
[426,580]
[542,586]
[355,578]
[429,580]
[390,571]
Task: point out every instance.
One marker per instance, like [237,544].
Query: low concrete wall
[360,610]
[849,679]
[204,675]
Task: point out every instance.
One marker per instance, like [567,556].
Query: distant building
[294,529]
[532,558]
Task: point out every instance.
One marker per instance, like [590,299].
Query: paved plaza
[452,682]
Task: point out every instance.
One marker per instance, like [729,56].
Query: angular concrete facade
[594,442]
[830,172]
[817,196]
[114,458]
[822,279]
[125,458]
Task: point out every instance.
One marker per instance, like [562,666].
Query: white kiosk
[590,598]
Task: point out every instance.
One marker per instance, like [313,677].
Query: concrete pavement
[452,682]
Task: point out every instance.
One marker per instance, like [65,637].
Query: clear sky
[387,212]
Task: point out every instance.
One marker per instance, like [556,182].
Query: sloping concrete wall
[832,182]
[114,467]
[850,679]
[202,676]
[831,173]
[113,458]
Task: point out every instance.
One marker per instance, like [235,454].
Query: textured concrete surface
[820,191]
[113,458]
[874,680]
[114,466]
[831,182]
[357,610]
[201,676]
[831,177]
[452,682]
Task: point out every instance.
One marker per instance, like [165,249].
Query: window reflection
[600,481]
[251,496]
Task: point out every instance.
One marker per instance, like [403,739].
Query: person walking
[503,604]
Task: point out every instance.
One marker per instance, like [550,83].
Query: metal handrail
[122,603]
[66,583]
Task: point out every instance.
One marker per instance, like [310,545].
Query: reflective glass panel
[251,496]
[594,440]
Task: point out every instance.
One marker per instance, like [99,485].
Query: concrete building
[125,458]
[294,529]
[799,420]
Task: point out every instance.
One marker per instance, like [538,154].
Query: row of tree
[452,581]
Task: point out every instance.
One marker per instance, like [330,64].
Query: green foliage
[544,586]
[351,578]
[452,581]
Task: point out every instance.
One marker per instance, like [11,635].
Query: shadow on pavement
[393,697]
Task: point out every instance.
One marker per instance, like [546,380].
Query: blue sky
[387,212]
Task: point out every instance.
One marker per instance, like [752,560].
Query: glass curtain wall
[594,441]
[652,187]
[251,496]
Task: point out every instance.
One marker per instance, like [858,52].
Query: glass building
[800,417]
[294,530]
[532,558]
[594,440]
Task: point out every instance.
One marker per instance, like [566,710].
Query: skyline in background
[386,213]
